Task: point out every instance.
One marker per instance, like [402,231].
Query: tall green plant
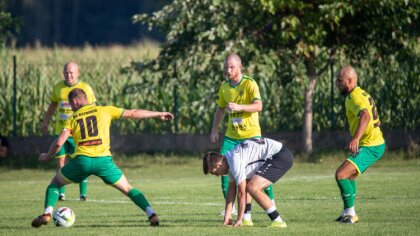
[279,40]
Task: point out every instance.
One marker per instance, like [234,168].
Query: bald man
[59,98]
[240,98]
[367,144]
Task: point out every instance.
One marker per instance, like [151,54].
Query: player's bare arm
[255,106]
[55,146]
[230,201]
[218,118]
[241,202]
[364,119]
[50,111]
[143,114]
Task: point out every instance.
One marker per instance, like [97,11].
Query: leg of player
[270,193]
[61,161]
[51,198]
[247,219]
[138,198]
[345,177]
[255,188]
[83,189]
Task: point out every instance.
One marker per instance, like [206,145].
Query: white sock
[272,209]
[351,211]
[247,216]
[48,210]
[149,211]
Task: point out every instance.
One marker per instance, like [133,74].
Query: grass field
[388,201]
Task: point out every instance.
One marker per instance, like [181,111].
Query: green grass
[187,202]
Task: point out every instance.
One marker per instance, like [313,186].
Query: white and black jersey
[265,157]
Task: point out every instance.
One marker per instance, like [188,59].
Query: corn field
[395,88]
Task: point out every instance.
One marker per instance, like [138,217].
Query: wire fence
[26,88]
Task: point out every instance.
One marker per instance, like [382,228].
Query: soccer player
[90,126]
[260,162]
[59,100]
[367,144]
[240,97]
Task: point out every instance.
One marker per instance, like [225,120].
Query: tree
[295,36]
[9,25]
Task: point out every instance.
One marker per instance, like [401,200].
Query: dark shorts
[80,167]
[273,169]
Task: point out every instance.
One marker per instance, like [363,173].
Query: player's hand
[214,137]
[227,221]
[238,223]
[166,116]
[43,157]
[353,145]
[232,107]
[44,129]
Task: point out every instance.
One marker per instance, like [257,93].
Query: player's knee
[252,188]
[339,174]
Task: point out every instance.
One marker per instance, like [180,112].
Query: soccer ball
[64,217]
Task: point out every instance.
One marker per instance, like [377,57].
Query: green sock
[225,185]
[353,185]
[83,187]
[51,195]
[269,192]
[346,190]
[62,190]
[138,198]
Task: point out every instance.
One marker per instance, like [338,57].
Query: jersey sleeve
[254,92]
[220,101]
[67,123]
[115,112]
[357,105]
[90,95]
[236,169]
[54,94]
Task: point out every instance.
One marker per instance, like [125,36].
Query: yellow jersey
[357,101]
[241,125]
[90,126]
[60,96]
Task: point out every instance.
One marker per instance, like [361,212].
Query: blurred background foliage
[276,40]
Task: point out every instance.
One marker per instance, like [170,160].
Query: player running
[367,144]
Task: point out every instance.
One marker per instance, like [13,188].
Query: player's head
[215,164]
[77,98]
[346,80]
[233,66]
[71,73]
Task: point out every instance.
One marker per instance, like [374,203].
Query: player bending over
[90,126]
[252,166]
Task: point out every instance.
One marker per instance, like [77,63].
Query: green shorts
[228,144]
[67,148]
[366,156]
[80,167]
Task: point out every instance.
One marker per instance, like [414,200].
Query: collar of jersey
[85,107]
[234,86]
[355,89]
[71,85]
